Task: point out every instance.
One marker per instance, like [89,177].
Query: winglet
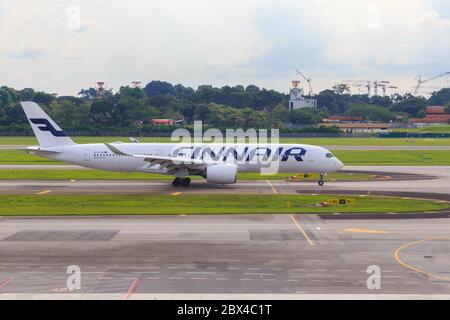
[115,150]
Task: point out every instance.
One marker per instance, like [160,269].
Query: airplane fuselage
[247,157]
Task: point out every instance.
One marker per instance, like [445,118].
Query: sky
[61,46]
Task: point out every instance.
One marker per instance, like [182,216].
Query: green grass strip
[32,205]
[395,157]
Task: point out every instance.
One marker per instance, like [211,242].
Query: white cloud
[219,33]
[362,34]
[431,19]
[29,52]
[215,41]
[121,42]
[380,39]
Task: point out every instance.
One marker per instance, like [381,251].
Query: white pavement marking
[301,229]
[272,187]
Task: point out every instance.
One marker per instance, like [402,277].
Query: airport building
[336,119]
[434,115]
[166,122]
[361,127]
[356,124]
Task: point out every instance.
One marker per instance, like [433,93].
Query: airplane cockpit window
[329,155]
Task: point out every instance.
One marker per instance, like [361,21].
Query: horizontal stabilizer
[40,150]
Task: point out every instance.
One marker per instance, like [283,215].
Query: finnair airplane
[217,163]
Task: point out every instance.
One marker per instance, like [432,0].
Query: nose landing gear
[184,182]
[321,182]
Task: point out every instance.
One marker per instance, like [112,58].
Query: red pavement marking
[131,289]
[4,282]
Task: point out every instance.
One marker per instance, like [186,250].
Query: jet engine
[221,173]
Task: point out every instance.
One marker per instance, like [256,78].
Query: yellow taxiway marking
[176,193]
[271,185]
[371,231]
[409,244]
[301,229]
[44,192]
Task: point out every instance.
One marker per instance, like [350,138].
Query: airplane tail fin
[47,132]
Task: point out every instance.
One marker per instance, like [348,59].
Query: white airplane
[217,163]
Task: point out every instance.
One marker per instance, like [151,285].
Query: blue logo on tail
[45,125]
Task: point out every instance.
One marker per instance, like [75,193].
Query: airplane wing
[173,160]
[170,163]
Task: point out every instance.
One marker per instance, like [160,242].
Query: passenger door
[87,155]
[310,155]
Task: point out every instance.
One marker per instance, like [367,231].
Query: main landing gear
[321,182]
[181,182]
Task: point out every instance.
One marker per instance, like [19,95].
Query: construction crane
[341,88]
[369,84]
[307,79]
[360,84]
[380,84]
[390,87]
[385,86]
[420,82]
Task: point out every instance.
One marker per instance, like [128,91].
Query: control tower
[296,98]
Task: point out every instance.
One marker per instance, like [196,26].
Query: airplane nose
[339,164]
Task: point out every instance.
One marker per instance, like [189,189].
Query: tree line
[130,110]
